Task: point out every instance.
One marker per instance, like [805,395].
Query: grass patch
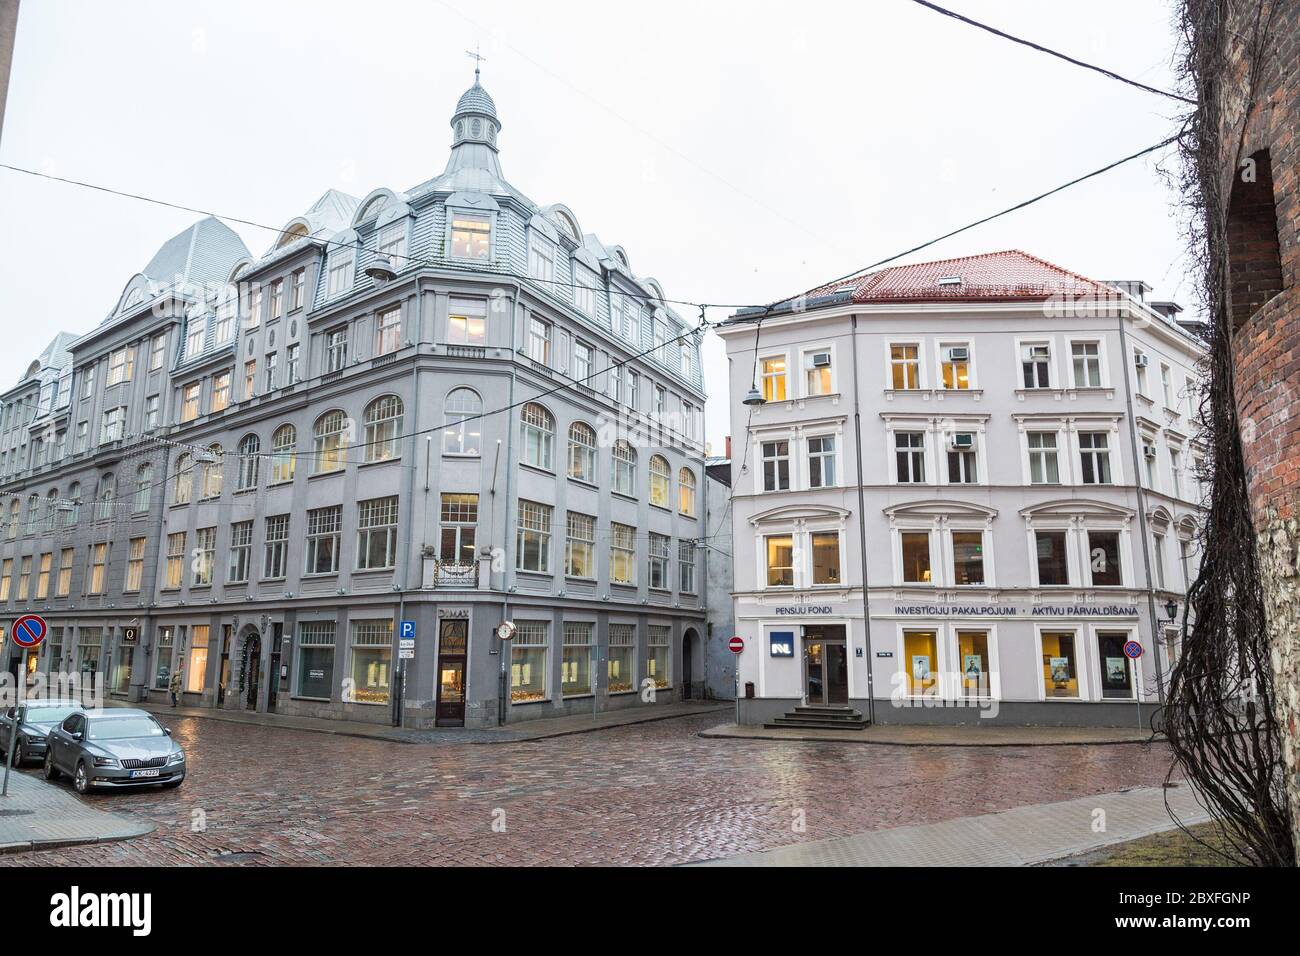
[1171,848]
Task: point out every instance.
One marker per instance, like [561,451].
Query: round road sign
[1132,650]
[736,645]
[29,630]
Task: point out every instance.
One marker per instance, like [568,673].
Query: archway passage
[252,669]
[692,665]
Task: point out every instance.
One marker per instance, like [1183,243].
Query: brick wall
[1263,219]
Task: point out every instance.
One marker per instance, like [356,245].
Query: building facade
[446,406]
[968,486]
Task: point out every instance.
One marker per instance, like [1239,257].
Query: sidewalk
[1021,837]
[37,815]
[512,733]
[939,735]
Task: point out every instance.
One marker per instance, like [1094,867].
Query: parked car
[38,718]
[114,748]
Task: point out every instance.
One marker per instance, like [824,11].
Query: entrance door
[687,650]
[252,670]
[826,665]
[452,645]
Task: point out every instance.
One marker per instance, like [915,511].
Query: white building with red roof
[963,491]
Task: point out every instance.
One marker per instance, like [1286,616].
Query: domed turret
[474,131]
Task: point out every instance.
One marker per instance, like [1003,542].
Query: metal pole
[15,724]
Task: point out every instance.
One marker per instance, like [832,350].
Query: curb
[713,735]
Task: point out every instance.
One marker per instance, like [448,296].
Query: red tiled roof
[990,277]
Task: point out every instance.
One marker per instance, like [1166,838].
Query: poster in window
[920,667]
[1060,669]
[973,666]
[1117,670]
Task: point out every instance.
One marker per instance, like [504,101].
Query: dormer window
[950,282]
[541,260]
[340,271]
[392,243]
[471,237]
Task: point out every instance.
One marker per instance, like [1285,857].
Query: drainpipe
[399,712]
[862,528]
[1142,520]
[503,685]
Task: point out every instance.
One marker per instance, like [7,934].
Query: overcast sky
[739,152]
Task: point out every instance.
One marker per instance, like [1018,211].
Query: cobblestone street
[645,794]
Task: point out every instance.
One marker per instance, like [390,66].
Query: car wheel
[51,771]
[81,778]
[18,755]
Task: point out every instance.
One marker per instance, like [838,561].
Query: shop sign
[1001,610]
[806,609]
[454,612]
[781,643]
[130,635]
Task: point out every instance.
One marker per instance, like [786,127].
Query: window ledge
[334,473]
[537,468]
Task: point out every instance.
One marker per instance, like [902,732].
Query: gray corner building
[445,406]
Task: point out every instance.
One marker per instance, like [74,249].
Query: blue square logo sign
[781,643]
[407,629]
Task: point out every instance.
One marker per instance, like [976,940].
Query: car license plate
[144,773]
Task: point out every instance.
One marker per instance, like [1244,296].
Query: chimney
[728,448]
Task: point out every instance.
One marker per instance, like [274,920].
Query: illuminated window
[686,492]
[658,654]
[471,237]
[905,366]
[622,554]
[383,418]
[467,322]
[826,557]
[773,375]
[973,655]
[330,442]
[528,662]
[921,658]
[372,657]
[1060,669]
[660,481]
[283,454]
[916,557]
[780,560]
[622,658]
[575,658]
[956,366]
[582,452]
[196,671]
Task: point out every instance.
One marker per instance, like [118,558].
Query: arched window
[686,492]
[582,452]
[73,514]
[283,454]
[461,437]
[143,487]
[660,481]
[383,419]
[537,436]
[624,468]
[329,442]
[213,469]
[250,460]
[183,490]
[104,497]
[51,508]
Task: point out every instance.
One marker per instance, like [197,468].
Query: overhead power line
[1050,52]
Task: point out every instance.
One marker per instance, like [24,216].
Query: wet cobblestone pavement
[645,794]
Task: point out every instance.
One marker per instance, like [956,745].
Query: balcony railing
[449,574]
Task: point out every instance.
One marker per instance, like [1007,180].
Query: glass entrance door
[452,647]
[826,665]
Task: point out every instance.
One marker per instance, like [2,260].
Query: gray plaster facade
[255,468]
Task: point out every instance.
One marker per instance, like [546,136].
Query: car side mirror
[167,731]
[10,713]
[77,735]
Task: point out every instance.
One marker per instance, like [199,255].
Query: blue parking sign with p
[406,629]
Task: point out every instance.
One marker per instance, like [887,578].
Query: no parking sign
[29,630]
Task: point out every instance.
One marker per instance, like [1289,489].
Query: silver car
[114,748]
[36,718]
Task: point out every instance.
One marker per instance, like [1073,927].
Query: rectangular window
[121,365]
[909,457]
[826,557]
[316,659]
[297,283]
[528,662]
[459,517]
[817,372]
[1158,559]
[962,468]
[157,352]
[43,574]
[1166,386]
[581,361]
[339,277]
[1060,667]
[175,566]
[113,425]
[1116,669]
[774,381]
[90,643]
[1094,454]
[377,533]
[1175,472]
[275,550]
[135,565]
[633,389]
[973,655]
[622,658]
[268,371]
[1043,465]
[780,560]
[163,658]
[541,261]
[25,573]
[658,654]
[195,331]
[467,322]
[241,552]
[575,659]
[686,567]
[6,578]
[921,658]
[255,305]
[776,466]
[324,536]
[916,557]
[622,554]
[391,242]
[968,557]
[584,296]
[1087,364]
[580,546]
[151,415]
[250,378]
[905,366]
[196,669]
[292,366]
[277,298]
[471,237]
[1036,365]
[388,331]
[336,349]
[64,586]
[955,370]
[220,391]
[372,657]
[533,538]
[821,462]
[1049,552]
[539,341]
[1103,557]
[659,555]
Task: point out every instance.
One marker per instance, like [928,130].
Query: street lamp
[1171,609]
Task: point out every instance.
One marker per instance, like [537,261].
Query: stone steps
[820,718]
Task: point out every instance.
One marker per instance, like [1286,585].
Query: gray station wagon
[113,749]
[35,719]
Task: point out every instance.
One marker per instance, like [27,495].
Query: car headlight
[105,761]
[177,757]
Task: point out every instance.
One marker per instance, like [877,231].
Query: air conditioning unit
[1140,360]
[963,441]
[959,353]
[821,360]
[1148,451]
